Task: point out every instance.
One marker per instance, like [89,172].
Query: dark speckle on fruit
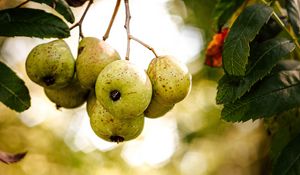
[49,80]
[116,139]
[115,95]
[58,106]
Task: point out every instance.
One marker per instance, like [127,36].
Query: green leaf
[61,7]
[269,30]
[282,128]
[286,65]
[245,28]
[277,93]
[263,57]
[32,23]
[224,10]
[293,9]
[13,92]
[288,162]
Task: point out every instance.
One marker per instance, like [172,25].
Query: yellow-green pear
[123,89]
[71,96]
[93,56]
[51,64]
[157,109]
[91,101]
[110,128]
[170,79]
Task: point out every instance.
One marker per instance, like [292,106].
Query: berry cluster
[119,94]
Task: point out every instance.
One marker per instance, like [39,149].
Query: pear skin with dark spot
[123,89]
[51,64]
[171,81]
[71,96]
[110,128]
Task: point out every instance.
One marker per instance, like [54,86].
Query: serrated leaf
[227,87]
[288,162]
[282,128]
[293,9]
[61,7]
[245,28]
[277,93]
[264,57]
[13,92]
[32,23]
[224,10]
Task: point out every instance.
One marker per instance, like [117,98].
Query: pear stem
[79,23]
[144,44]
[106,35]
[129,36]
[127,27]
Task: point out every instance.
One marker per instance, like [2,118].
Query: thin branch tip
[79,23]
[106,35]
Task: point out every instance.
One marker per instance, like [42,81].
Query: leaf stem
[106,35]
[279,21]
[279,8]
[129,36]
[282,25]
[79,23]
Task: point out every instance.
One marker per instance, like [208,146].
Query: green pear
[110,128]
[93,56]
[71,96]
[51,65]
[170,79]
[157,109]
[91,101]
[123,89]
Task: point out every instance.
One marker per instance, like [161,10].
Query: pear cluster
[119,94]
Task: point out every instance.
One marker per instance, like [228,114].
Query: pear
[123,89]
[110,128]
[51,64]
[71,96]
[170,79]
[93,56]
[157,109]
[91,101]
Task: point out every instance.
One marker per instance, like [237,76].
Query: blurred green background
[189,140]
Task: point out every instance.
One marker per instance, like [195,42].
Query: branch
[144,44]
[129,36]
[79,23]
[127,27]
[106,35]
